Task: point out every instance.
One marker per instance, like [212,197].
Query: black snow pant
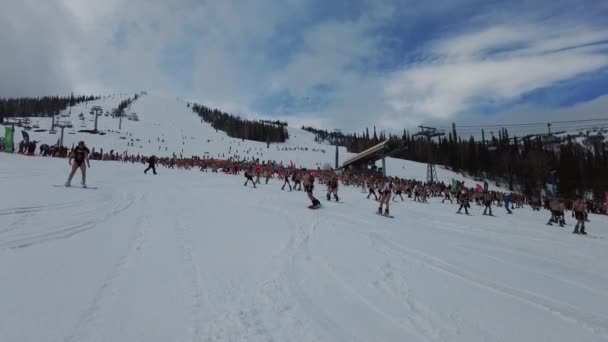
[465,206]
[487,206]
[151,166]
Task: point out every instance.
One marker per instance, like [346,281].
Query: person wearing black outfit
[151,165]
[80,154]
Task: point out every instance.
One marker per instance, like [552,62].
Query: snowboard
[314,206]
[76,187]
[389,216]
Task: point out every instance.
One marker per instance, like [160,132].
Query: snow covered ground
[193,256]
[167,126]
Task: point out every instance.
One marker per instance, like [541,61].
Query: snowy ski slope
[182,131]
[170,119]
[194,256]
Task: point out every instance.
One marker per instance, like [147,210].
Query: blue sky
[346,64]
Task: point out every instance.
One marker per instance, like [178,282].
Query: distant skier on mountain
[151,164]
[80,154]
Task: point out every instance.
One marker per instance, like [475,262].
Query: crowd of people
[383,190]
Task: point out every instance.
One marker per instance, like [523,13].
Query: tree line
[527,164]
[354,143]
[240,128]
[39,106]
[275,122]
[123,105]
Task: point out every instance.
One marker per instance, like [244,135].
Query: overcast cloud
[346,64]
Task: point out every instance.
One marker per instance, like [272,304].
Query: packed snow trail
[194,256]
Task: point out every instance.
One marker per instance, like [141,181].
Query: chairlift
[550,140]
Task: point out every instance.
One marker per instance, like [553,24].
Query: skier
[286,178]
[297,181]
[446,194]
[579,209]
[398,191]
[385,197]
[371,186]
[555,207]
[535,203]
[309,182]
[249,176]
[487,202]
[267,173]
[332,188]
[417,193]
[507,200]
[151,164]
[464,202]
[80,154]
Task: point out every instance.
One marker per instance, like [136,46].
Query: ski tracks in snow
[33,228]
[84,328]
[595,324]
[200,301]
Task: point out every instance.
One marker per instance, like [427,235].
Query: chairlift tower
[430,133]
[335,142]
[97,111]
[62,125]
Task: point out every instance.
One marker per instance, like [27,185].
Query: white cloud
[461,74]
[57,46]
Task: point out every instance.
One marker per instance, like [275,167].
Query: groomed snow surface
[194,256]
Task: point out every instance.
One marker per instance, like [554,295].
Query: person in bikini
[80,154]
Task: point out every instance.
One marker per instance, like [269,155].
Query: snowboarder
[151,165]
[332,188]
[80,154]
[309,182]
[385,197]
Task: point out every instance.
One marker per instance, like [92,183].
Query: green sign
[8,140]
